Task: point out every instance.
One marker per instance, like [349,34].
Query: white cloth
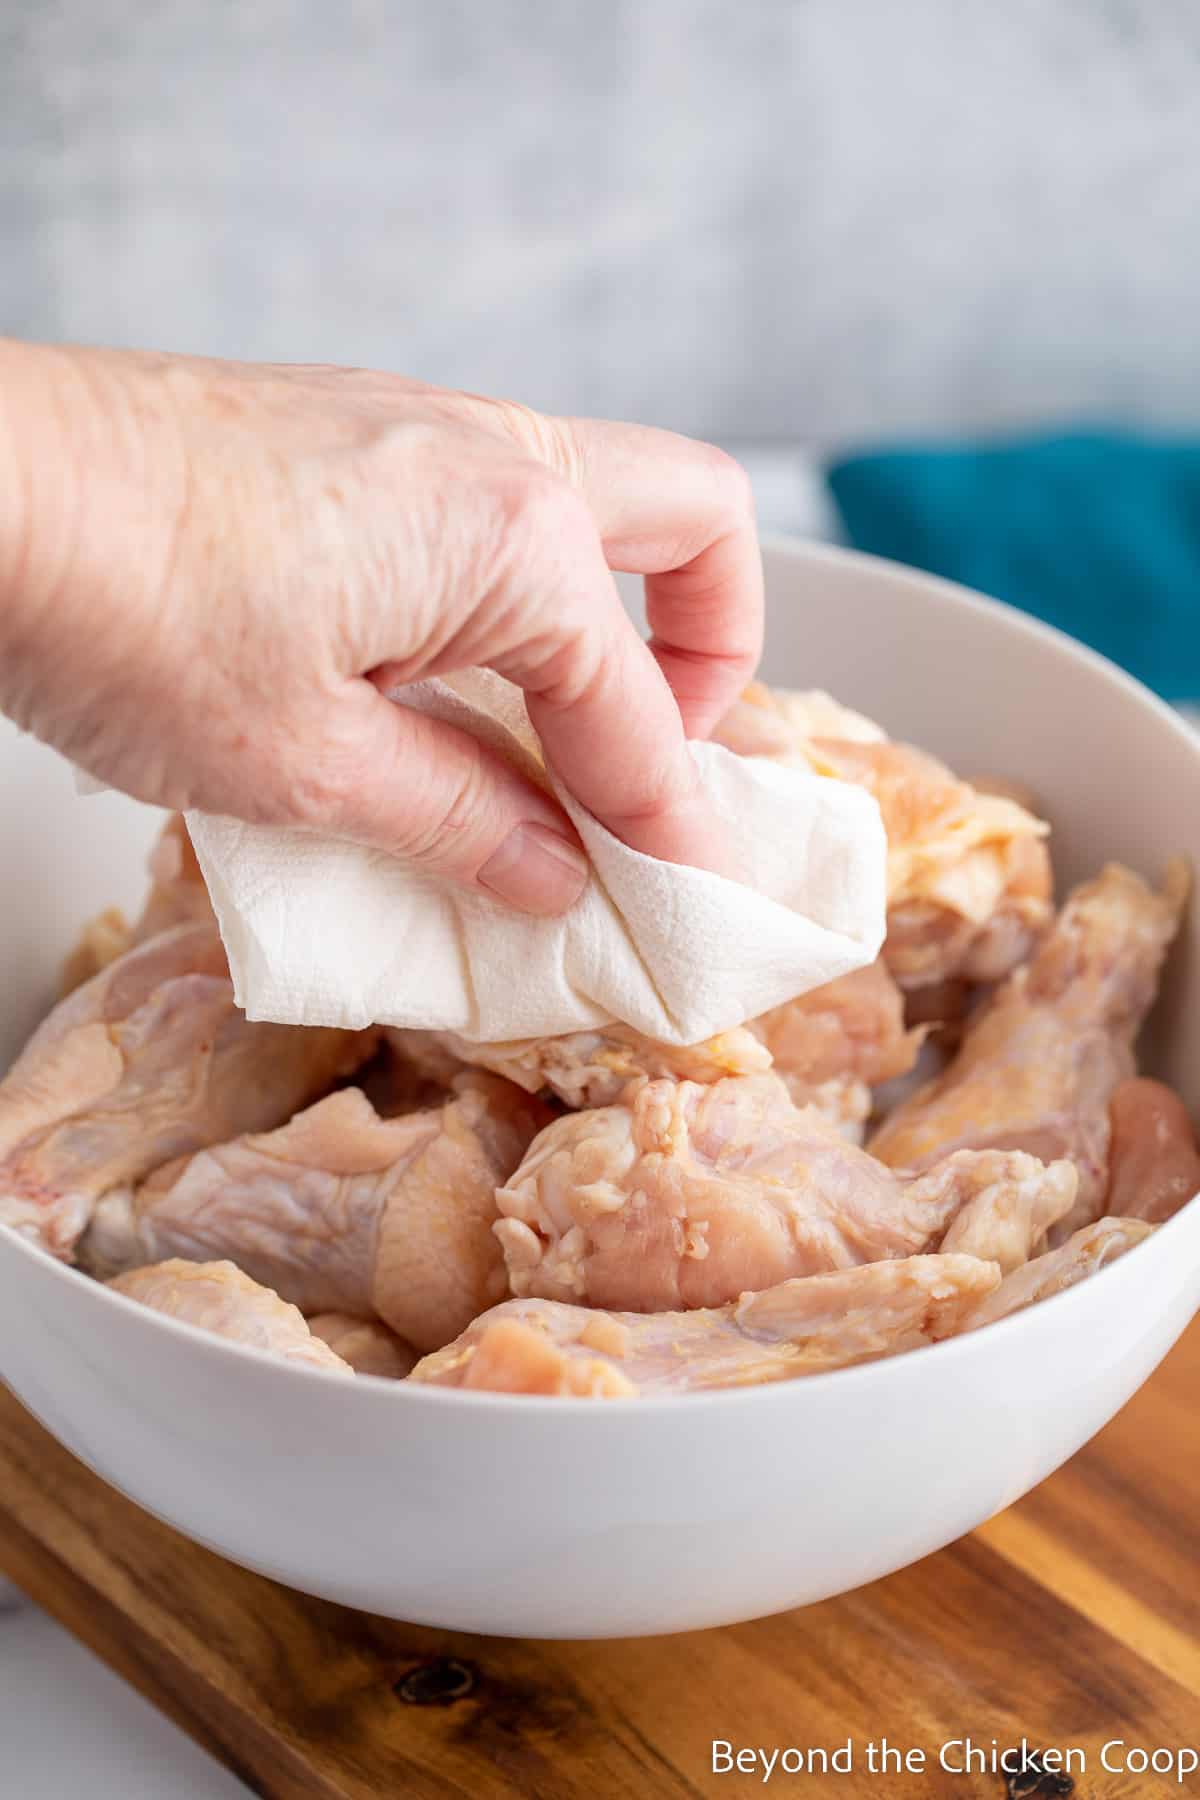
[323,932]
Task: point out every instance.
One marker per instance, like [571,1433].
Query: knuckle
[732,484]
[540,510]
[319,781]
[395,444]
[564,670]
[548,440]
[672,789]
[446,830]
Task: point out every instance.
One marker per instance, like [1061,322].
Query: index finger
[680,513]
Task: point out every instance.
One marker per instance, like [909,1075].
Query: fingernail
[537,870]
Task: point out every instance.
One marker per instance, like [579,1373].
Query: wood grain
[1068,1620]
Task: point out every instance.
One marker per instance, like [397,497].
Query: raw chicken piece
[1006,1222]
[177,894]
[395,1083]
[969,878]
[424,1057]
[828,1046]
[780,722]
[941,1010]
[833,1044]
[1154,1165]
[798,1328]
[1083,1253]
[101,941]
[1006,789]
[217,1297]
[1041,1058]
[588,1068]
[149,1060]
[342,1211]
[688,1196]
[369,1347]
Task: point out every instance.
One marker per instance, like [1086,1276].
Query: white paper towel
[323,932]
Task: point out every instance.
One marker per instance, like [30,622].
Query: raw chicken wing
[969,879]
[177,896]
[689,1195]
[833,1044]
[217,1297]
[586,1068]
[341,1210]
[1006,1222]
[1154,1165]
[797,1328]
[780,723]
[149,1060]
[101,941]
[368,1346]
[1084,1252]
[1040,1059]
[829,1046]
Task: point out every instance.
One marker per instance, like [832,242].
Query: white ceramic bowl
[587,1519]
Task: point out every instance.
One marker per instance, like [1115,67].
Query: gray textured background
[753,219]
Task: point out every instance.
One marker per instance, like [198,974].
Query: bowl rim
[965,1345]
[795,550]
[791,548]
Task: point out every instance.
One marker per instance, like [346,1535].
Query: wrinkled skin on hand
[210,570]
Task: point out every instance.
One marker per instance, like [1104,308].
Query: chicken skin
[1085,1251]
[219,1298]
[585,1068]
[366,1344]
[969,878]
[101,941]
[1154,1165]
[149,1060]
[831,1046]
[799,1327]
[1006,1221]
[1040,1060]
[341,1210]
[177,893]
[177,896]
[780,723]
[688,1196]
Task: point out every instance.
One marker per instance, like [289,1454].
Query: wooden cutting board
[1071,1620]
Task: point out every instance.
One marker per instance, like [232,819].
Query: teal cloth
[1098,534]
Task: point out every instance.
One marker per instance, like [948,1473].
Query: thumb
[430,794]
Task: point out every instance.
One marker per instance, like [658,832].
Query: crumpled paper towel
[324,932]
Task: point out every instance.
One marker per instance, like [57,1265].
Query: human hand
[208,571]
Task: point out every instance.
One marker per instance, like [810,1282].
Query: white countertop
[69,1726]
